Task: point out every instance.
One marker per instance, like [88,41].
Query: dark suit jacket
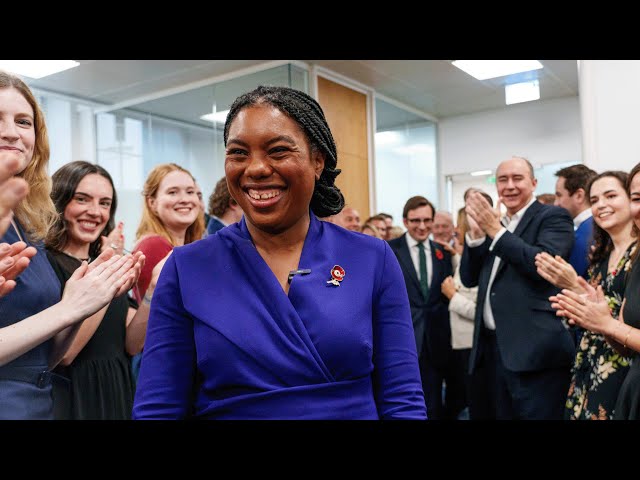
[214,225]
[529,335]
[431,317]
[579,258]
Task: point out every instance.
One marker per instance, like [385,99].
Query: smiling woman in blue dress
[280,316]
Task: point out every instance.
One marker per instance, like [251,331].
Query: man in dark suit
[425,265]
[522,353]
[571,194]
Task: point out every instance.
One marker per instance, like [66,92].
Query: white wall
[544,132]
[610,103]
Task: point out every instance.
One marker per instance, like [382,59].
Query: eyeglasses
[418,221]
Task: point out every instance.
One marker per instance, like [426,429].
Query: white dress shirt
[415,256]
[581,217]
[513,222]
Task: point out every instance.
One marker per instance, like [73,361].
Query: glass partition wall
[184,128]
[129,142]
[405,159]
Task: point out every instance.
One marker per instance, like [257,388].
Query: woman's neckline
[88,259]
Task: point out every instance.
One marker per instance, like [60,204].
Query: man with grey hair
[442,229]
[348,218]
[522,353]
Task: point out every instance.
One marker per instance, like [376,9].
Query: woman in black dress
[98,361]
[592,313]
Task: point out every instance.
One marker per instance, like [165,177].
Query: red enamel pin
[337,275]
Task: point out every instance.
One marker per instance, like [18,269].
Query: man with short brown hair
[571,194]
[425,264]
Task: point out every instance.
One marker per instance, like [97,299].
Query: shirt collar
[581,217]
[520,213]
[412,242]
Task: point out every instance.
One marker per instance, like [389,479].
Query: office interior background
[402,127]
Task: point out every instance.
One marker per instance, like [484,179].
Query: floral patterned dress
[598,370]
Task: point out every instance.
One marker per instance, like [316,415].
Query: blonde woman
[36,324]
[171,217]
[370,229]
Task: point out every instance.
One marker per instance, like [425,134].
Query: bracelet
[624,345]
[146,299]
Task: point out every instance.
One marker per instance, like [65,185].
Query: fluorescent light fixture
[480,173]
[522,92]
[217,117]
[484,69]
[37,68]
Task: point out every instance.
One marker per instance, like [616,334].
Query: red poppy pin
[337,275]
[439,254]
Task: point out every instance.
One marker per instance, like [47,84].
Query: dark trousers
[501,394]
[444,388]
[460,359]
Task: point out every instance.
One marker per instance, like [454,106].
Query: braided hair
[327,199]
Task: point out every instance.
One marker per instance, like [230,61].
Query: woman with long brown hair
[592,311]
[98,361]
[598,370]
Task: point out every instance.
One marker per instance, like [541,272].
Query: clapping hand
[132,274]
[12,189]
[474,229]
[448,287]
[13,261]
[447,246]
[590,311]
[114,240]
[485,216]
[558,272]
[91,287]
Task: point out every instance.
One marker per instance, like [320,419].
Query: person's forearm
[61,342]
[137,329]
[19,338]
[622,337]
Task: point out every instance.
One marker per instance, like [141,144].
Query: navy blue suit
[432,329]
[579,258]
[532,349]
[214,225]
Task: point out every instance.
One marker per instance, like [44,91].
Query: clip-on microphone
[301,271]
